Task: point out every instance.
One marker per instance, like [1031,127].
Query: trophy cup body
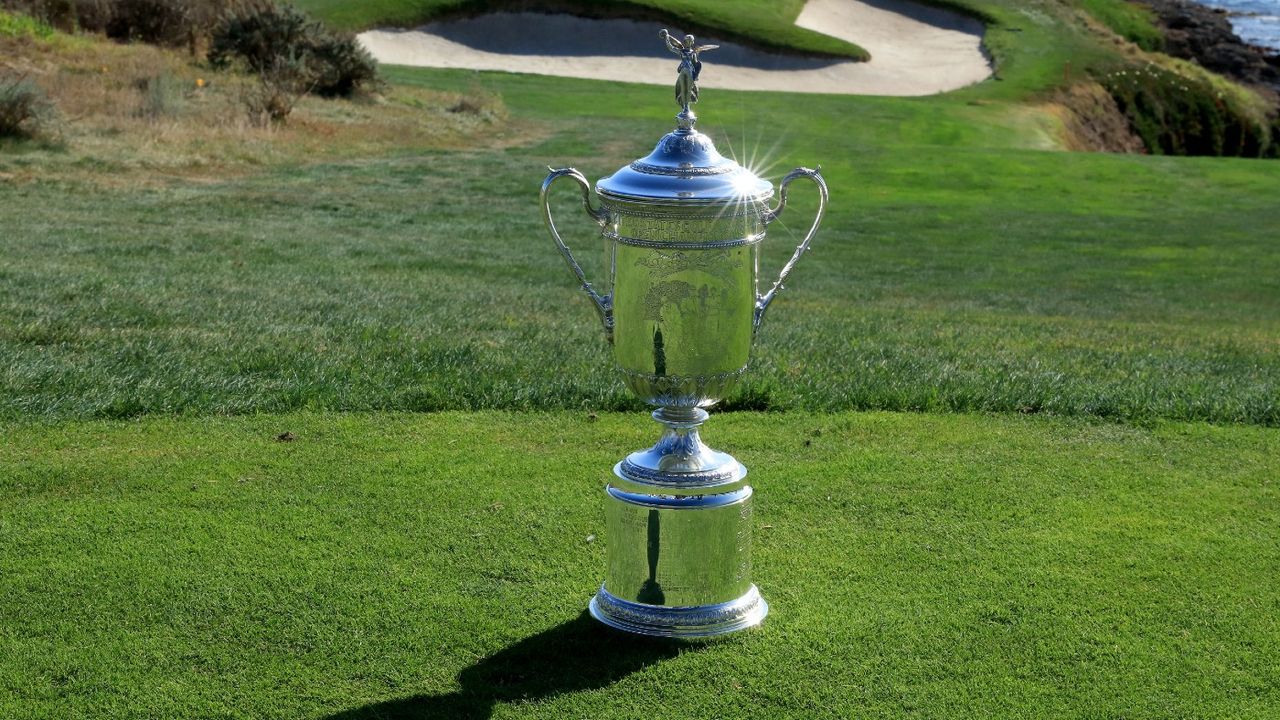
[684,226]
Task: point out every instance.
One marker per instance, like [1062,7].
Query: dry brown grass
[137,113]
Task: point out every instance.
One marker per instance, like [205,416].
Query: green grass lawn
[960,268]
[423,566]
[1055,532]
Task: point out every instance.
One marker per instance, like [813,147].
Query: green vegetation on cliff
[1129,20]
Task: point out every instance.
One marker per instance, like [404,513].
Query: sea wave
[1257,22]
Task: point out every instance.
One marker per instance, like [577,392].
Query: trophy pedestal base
[678,538]
[679,622]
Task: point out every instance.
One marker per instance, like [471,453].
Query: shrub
[342,66]
[12,25]
[266,34]
[158,22]
[260,36]
[279,87]
[24,108]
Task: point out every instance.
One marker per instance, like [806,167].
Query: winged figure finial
[690,67]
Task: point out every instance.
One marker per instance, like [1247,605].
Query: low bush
[265,35]
[160,22]
[24,107]
[342,66]
[279,86]
[261,35]
[19,25]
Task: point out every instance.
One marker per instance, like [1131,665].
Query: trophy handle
[604,303]
[762,302]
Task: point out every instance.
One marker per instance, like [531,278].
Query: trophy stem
[681,416]
[681,448]
[680,457]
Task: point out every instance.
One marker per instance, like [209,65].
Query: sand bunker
[915,50]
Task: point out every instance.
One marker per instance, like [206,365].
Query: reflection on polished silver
[677,172]
[690,622]
[680,461]
[604,304]
[687,74]
[816,176]
[683,228]
[696,245]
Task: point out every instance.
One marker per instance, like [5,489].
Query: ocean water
[1257,22]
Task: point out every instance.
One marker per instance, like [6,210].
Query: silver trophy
[684,226]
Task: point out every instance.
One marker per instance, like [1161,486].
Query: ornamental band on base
[684,225]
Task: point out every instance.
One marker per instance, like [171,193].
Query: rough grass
[128,112]
[379,566]
[1130,21]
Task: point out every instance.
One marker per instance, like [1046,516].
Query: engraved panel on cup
[678,556]
[684,301]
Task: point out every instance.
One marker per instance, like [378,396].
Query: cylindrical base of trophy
[680,622]
[678,548]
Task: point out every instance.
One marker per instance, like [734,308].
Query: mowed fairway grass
[436,566]
[1027,467]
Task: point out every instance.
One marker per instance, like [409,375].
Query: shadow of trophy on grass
[571,657]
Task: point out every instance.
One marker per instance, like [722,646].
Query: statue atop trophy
[690,68]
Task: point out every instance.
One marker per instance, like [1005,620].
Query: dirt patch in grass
[1092,121]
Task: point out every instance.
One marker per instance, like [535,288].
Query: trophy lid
[685,167]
